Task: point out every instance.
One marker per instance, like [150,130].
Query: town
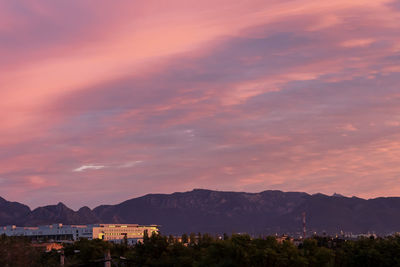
[138,245]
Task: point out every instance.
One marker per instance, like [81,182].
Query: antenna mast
[304,225]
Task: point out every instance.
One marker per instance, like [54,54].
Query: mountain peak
[61,205]
[84,208]
[208,211]
[200,190]
[337,195]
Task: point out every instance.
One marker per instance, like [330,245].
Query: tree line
[207,250]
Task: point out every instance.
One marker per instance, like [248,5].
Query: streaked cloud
[348,128]
[357,42]
[89,167]
[112,166]
[230,95]
[130,164]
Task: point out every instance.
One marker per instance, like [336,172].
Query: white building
[109,232]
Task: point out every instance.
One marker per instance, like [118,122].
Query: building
[60,232]
[47,247]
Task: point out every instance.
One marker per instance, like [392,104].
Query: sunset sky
[102,101]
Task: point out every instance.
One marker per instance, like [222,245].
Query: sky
[102,101]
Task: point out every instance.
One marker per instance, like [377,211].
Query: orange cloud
[241,95]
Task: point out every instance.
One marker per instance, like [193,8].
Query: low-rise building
[109,232]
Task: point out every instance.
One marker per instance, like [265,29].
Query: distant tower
[304,225]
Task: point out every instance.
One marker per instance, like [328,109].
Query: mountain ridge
[203,210]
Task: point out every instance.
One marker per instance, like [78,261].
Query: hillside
[201,210]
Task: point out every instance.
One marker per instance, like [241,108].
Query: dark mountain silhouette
[209,211]
[60,213]
[12,212]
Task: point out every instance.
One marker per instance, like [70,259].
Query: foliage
[206,250]
[18,251]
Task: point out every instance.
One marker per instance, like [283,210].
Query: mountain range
[201,210]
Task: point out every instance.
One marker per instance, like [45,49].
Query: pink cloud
[357,42]
[234,96]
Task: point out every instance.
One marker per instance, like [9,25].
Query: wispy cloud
[348,127]
[130,164]
[246,95]
[89,167]
[108,166]
[357,42]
